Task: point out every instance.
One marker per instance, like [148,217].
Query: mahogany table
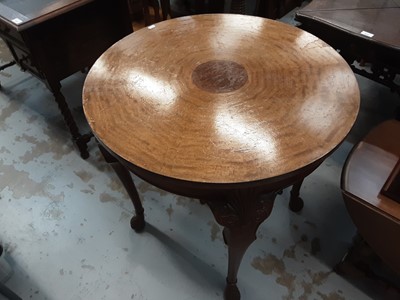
[365,31]
[222,108]
[53,39]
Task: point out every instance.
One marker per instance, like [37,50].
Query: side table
[228,109]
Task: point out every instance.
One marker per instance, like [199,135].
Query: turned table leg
[296,203]
[79,139]
[137,221]
[241,213]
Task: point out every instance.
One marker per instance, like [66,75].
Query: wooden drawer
[19,50]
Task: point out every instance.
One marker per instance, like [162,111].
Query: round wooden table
[222,108]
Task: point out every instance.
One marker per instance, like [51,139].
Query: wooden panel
[366,172]
[66,37]
[369,166]
[391,188]
[274,9]
[74,40]
[349,4]
[22,14]
[381,18]
[379,230]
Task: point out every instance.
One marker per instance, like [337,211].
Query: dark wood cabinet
[53,39]
[272,9]
[275,9]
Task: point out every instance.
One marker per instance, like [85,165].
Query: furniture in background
[371,190]
[272,9]
[156,13]
[53,39]
[220,108]
[135,9]
[367,32]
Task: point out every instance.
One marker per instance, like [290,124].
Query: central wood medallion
[219,76]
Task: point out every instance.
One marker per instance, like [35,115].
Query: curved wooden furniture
[228,109]
[370,169]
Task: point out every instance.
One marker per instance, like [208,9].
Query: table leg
[137,221]
[296,203]
[241,213]
[79,139]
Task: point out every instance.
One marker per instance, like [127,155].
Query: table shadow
[188,263]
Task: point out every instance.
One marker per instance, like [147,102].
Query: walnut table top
[221,98]
[228,109]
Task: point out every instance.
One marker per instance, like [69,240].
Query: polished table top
[221,98]
[227,109]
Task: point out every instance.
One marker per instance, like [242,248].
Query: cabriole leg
[137,221]
[241,213]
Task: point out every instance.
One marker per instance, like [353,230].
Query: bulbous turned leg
[296,204]
[241,213]
[137,222]
[79,140]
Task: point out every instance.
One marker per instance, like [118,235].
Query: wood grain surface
[275,98]
[369,166]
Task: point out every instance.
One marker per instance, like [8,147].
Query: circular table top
[221,98]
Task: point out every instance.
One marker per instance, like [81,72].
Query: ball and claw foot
[231,292]
[85,154]
[137,223]
[296,204]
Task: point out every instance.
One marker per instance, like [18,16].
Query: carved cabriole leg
[80,140]
[241,213]
[296,203]
[137,221]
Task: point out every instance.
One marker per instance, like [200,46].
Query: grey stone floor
[64,221]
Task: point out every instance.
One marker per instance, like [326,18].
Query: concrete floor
[64,221]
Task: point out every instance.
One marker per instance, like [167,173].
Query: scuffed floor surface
[64,221]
